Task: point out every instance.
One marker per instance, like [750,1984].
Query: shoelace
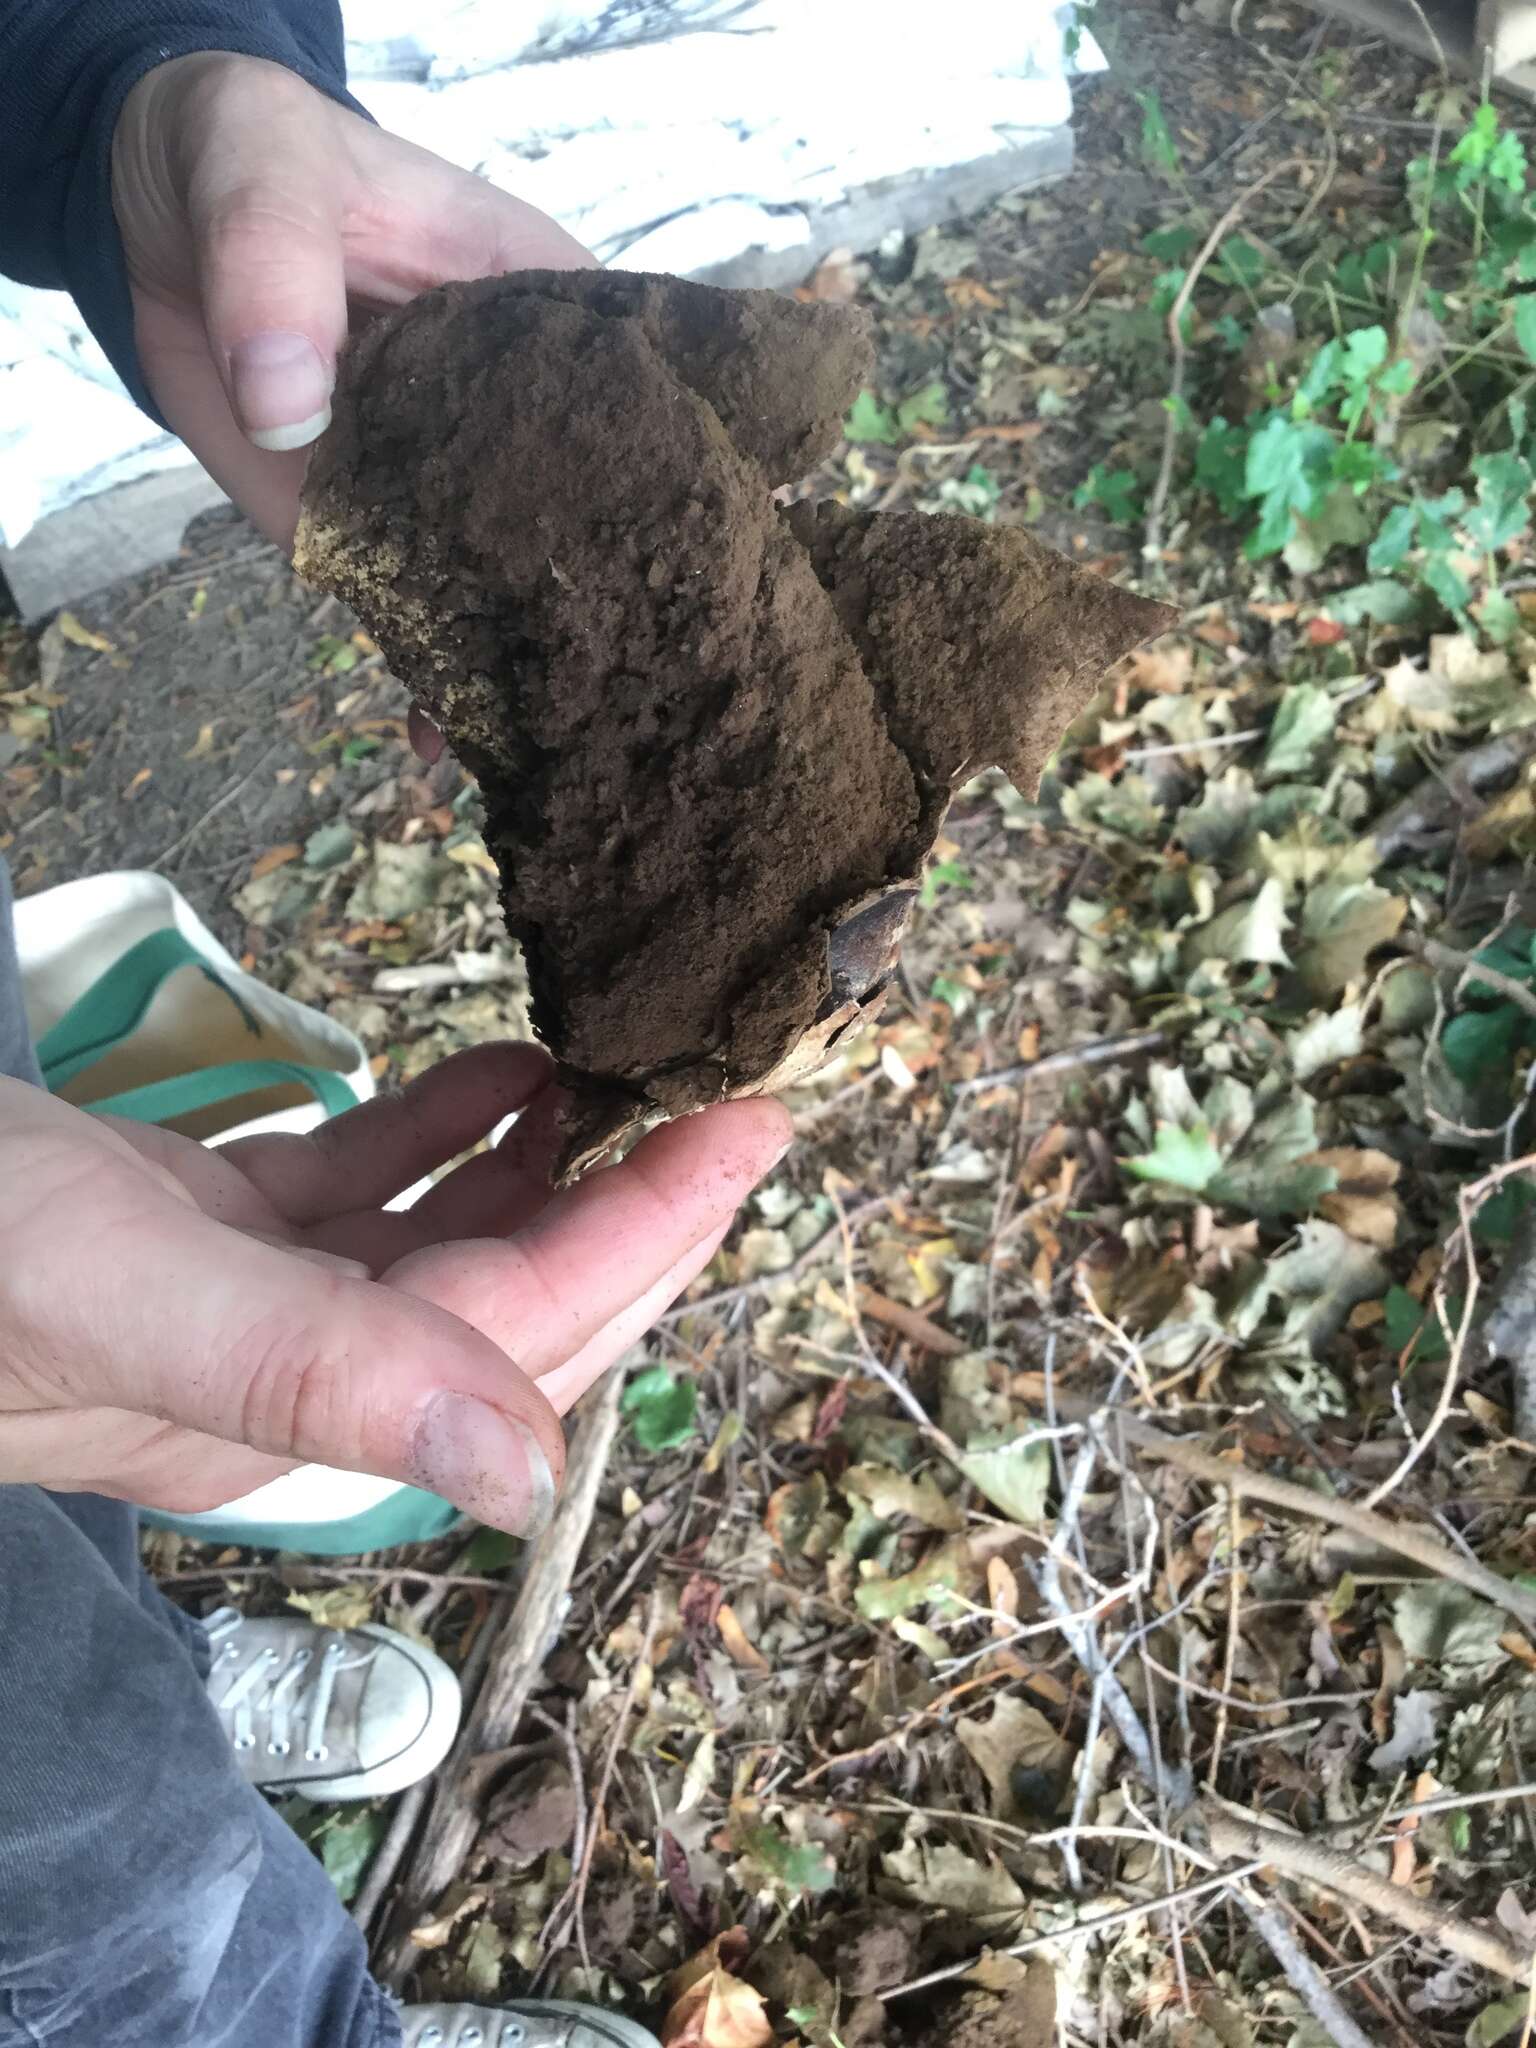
[245,1702]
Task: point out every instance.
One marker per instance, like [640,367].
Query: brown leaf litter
[716,739]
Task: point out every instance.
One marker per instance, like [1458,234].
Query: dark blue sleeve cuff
[66,66]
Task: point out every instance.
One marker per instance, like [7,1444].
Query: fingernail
[282,390]
[484,1462]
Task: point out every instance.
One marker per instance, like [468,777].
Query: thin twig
[1097,1923]
[566,1732]
[577,1896]
[1220,739]
[387,1857]
[1302,1974]
[1097,1052]
[1436,1558]
[1468,1201]
[1239,1835]
[219,803]
[386,1574]
[1452,961]
[727,1297]
[1449,1802]
[1175,400]
[1229,1660]
[1175,1784]
[515,1662]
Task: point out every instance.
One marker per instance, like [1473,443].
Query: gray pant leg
[148,1897]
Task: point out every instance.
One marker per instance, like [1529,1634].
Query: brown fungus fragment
[716,740]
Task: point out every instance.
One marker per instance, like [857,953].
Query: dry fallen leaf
[711,2007]
[1363,1203]
[274,857]
[742,1650]
[82,636]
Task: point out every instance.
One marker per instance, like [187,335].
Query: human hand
[180,1325]
[258,217]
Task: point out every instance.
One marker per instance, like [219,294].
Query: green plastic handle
[115,1005]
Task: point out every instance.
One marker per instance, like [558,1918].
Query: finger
[178,1317]
[501,1191]
[368,1155]
[491,1194]
[564,1387]
[598,1248]
[191,395]
[438,223]
[265,201]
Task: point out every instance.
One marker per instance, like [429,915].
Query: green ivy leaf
[487,1551]
[1323,372]
[1289,467]
[1481,1043]
[1241,261]
[927,407]
[1171,244]
[1524,311]
[1383,601]
[1507,166]
[1014,1476]
[1179,1158]
[1499,617]
[330,845]
[1389,550]
[1404,1320]
[801,1867]
[1365,351]
[1220,463]
[661,1408]
[1448,584]
[343,1840]
[1496,2022]
[1301,726]
[1157,142]
[1502,511]
[1114,489]
[869,420]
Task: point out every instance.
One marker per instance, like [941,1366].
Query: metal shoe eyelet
[431,2037]
[512,2034]
[245,1742]
[278,1748]
[471,2037]
[316,1756]
[336,1648]
[270,1656]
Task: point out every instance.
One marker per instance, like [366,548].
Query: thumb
[271,269]
[241,1340]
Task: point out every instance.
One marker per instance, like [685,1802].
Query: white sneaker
[530,2023]
[329,1713]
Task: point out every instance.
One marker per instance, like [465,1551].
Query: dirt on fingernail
[716,739]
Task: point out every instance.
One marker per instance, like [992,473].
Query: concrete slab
[923,200]
[101,540]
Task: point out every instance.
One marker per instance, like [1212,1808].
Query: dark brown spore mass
[715,739]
